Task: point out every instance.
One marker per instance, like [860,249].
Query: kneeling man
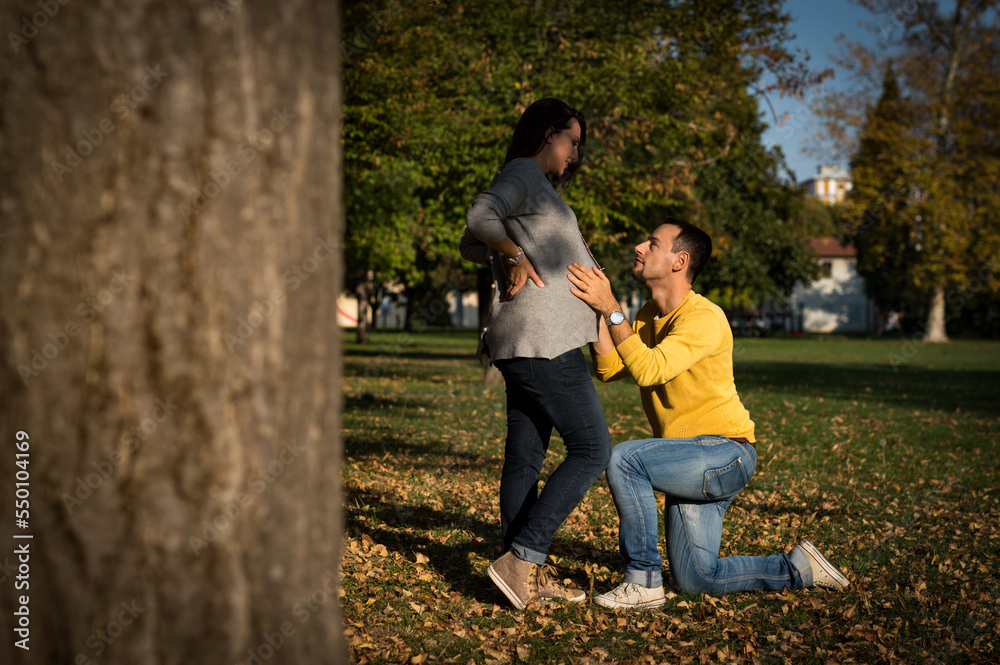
[679,351]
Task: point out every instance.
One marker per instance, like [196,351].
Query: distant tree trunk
[492,376]
[954,44]
[409,309]
[363,293]
[936,332]
[375,304]
[484,291]
[170,192]
[484,287]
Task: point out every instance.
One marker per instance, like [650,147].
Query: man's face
[654,257]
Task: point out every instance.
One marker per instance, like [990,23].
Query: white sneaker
[825,573]
[631,596]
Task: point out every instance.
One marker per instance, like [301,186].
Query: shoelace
[548,577]
[625,590]
[544,572]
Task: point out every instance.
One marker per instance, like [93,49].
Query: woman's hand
[518,275]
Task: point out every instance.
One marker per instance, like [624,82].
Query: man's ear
[681,261]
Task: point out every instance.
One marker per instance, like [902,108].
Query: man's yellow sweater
[683,364]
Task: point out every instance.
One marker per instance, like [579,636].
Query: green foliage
[821,220]
[760,251]
[925,198]
[884,222]
[433,90]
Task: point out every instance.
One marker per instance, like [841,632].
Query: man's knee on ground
[695,585]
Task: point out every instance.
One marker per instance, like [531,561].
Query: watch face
[616,318]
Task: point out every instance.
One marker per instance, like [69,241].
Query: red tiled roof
[831,247]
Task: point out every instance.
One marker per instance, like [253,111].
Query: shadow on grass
[369,402]
[756,505]
[932,389]
[406,454]
[397,368]
[408,529]
[416,354]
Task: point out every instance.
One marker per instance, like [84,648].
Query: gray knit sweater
[536,322]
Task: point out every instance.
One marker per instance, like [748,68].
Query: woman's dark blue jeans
[542,395]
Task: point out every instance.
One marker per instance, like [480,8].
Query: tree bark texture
[170,221]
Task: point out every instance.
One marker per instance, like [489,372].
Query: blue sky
[816,25]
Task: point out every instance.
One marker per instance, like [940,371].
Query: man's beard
[637,275]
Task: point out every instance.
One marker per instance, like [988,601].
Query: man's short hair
[695,242]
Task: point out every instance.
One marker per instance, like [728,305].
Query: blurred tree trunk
[492,376]
[364,296]
[170,181]
[936,318]
[409,309]
[484,288]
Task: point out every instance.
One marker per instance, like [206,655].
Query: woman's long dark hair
[529,135]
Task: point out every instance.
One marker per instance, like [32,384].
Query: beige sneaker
[549,588]
[517,578]
[825,573]
[632,597]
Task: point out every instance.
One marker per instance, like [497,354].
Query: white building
[462,306]
[836,302]
[830,185]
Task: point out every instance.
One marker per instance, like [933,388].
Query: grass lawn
[881,452]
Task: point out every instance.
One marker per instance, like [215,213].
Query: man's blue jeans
[542,394]
[701,477]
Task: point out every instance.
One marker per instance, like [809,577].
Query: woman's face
[561,149]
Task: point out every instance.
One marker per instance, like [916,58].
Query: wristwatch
[615,318]
[516,259]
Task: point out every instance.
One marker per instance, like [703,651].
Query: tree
[888,159]
[762,247]
[433,90]
[819,219]
[413,145]
[921,187]
[169,180]
[739,197]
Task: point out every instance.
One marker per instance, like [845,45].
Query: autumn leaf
[917,537]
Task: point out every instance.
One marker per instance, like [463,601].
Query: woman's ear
[548,134]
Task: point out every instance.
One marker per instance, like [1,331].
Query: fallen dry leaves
[915,521]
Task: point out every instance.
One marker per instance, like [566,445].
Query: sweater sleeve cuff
[629,346]
[607,365]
